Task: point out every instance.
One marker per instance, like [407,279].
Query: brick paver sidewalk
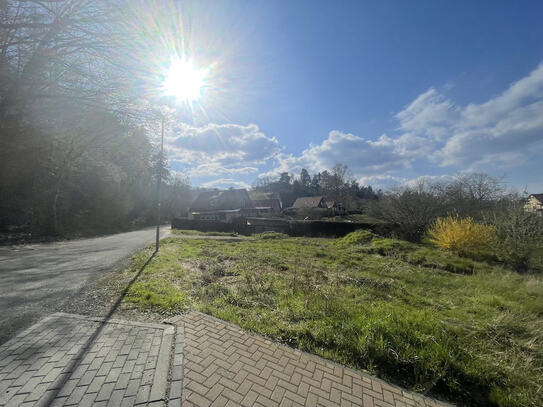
[226,366]
[73,360]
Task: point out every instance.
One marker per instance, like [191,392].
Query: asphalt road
[36,279]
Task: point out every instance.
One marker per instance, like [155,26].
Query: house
[266,202]
[534,204]
[223,206]
[309,202]
[335,208]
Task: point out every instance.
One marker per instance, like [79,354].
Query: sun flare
[184,81]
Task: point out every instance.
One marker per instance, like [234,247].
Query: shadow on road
[88,344]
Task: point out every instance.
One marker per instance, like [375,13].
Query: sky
[396,90]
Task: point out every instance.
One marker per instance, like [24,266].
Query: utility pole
[159,181]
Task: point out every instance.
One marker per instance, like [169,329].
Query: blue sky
[394,89]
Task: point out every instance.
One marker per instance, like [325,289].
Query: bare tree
[67,97]
[414,207]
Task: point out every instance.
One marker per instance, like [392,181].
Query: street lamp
[160,171]
[184,83]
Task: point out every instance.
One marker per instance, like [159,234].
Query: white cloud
[428,179]
[493,134]
[221,148]
[503,132]
[204,170]
[427,115]
[361,155]
[433,132]
[224,183]
[381,181]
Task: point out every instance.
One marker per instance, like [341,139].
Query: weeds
[271,235]
[432,321]
[359,236]
[157,295]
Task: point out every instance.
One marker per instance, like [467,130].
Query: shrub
[519,240]
[359,236]
[410,209]
[464,237]
[414,207]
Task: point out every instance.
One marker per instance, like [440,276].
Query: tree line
[336,184]
[414,208]
[75,141]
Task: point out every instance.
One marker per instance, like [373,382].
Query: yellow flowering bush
[461,236]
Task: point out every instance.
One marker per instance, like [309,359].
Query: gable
[234,199]
[230,199]
[204,201]
[309,202]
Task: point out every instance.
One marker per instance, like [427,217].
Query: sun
[184,81]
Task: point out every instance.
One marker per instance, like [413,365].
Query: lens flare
[184,81]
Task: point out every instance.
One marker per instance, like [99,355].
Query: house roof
[263,195]
[267,202]
[230,199]
[217,211]
[256,195]
[539,197]
[307,202]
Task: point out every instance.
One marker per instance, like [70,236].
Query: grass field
[465,331]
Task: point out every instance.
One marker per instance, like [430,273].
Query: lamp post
[160,170]
[184,83]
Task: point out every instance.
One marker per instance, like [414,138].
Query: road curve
[36,278]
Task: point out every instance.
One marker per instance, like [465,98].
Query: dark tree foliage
[75,158]
[336,184]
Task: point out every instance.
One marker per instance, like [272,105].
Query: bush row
[310,228]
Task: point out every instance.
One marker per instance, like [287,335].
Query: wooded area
[337,184]
[76,150]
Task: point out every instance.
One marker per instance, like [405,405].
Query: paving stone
[87,400]
[77,394]
[16,400]
[122,381]
[174,402]
[96,384]
[133,386]
[226,366]
[128,401]
[175,389]
[210,362]
[116,398]
[143,394]
[65,388]
[54,363]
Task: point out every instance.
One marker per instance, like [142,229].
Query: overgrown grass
[455,328]
[271,235]
[198,233]
[157,295]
